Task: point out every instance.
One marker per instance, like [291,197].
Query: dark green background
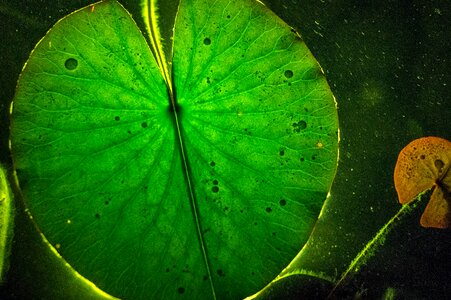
[388,65]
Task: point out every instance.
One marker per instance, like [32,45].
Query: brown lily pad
[422,165]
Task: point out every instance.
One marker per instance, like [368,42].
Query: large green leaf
[207,191]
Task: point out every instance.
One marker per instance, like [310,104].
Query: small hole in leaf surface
[301,125]
[207,41]
[71,64]
[288,73]
[439,164]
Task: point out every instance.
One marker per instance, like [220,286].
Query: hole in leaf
[207,41]
[71,64]
[181,290]
[215,189]
[283,202]
[301,125]
[439,165]
[422,165]
[144,124]
[288,73]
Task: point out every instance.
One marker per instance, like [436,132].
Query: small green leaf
[202,187]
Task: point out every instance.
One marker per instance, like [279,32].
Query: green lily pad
[206,189]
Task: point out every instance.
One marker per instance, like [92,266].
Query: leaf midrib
[155,37]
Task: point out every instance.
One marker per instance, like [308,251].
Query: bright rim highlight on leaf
[204,191]
[91,286]
[150,15]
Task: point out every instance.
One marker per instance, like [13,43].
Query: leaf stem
[375,243]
